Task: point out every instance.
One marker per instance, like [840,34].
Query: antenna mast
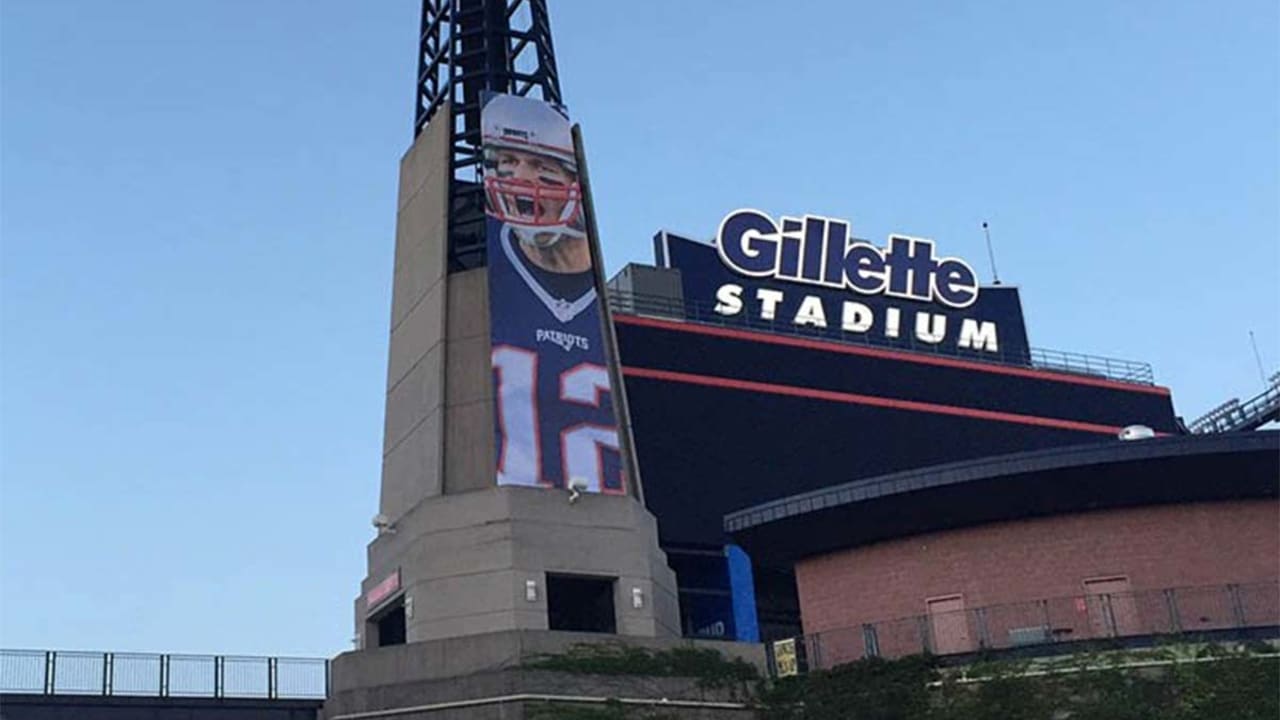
[1262,373]
[991,253]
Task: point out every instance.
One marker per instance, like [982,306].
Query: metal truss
[465,48]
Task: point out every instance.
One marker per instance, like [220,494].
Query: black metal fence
[64,672]
[1185,611]
[1128,371]
[1233,415]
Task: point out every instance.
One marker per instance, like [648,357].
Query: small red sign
[382,590]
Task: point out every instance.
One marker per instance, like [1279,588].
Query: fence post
[50,670]
[326,676]
[870,642]
[1171,604]
[926,642]
[1108,618]
[984,634]
[217,676]
[1237,607]
[106,673]
[271,678]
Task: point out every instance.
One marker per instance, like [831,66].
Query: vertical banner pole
[612,359]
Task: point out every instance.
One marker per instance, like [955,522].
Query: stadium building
[817,479]
[785,437]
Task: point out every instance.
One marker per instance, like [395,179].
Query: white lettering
[978,337]
[931,332]
[856,317]
[892,321]
[769,300]
[811,312]
[568,341]
[729,299]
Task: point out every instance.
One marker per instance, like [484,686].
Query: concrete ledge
[500,690]
[454,657]
[491,666]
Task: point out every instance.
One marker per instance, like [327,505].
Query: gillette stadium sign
[817,250]
[810,273]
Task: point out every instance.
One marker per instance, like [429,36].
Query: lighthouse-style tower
[511,523]
[510,503]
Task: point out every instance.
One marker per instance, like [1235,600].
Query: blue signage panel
[554,419]
[809,275]
[742,587]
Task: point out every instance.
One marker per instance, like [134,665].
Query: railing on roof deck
[1233,415]
[75,672]
[1127,371]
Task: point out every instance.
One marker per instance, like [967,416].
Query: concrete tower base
[478,562]
[486,677]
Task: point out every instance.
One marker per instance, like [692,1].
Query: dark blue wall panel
[705,450]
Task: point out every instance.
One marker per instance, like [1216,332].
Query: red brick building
[1116,540]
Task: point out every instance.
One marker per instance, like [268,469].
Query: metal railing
[1128,371]
[1214,609]
[73,672]
[1233,415]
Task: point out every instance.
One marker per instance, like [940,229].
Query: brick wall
[1153,547]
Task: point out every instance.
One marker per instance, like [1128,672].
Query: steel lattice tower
[467,47]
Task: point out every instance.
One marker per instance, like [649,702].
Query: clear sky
[197,205]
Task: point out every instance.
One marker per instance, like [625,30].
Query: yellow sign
[784,657]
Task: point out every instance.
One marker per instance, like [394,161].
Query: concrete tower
[511,523]
[456,554]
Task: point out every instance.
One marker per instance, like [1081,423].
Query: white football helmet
[530,172]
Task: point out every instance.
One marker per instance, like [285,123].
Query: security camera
[383,525]
[577,486]
[1137,432]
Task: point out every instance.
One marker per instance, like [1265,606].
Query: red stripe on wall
[827,346]
[870,400]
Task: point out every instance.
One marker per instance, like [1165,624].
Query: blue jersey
[554,418]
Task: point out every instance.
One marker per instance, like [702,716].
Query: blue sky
[197,207]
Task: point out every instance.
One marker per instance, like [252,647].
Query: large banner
[555,422]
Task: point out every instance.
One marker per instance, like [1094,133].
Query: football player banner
[554,417]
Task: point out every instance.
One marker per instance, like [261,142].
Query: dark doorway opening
[582,604]
[390,624]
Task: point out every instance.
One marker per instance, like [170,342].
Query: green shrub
[1209,683]
[709,667]
[1177,682]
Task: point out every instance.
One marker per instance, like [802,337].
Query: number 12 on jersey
[555,426]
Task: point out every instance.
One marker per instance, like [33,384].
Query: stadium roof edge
[1010,487]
